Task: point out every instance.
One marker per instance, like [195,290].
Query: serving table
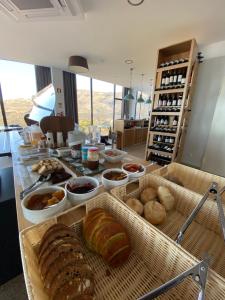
[22,178]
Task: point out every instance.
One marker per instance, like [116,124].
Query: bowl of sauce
[44,203]
[114,177]
[81,188]
[134,170]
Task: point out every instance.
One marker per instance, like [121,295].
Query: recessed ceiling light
[129,61]
[135,2]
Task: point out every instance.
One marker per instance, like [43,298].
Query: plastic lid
[93,149]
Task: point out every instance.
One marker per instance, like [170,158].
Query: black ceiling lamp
[135,2]
[78,64]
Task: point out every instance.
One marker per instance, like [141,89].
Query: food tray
[204,234]
[113,159]
[154,260]
[192,179]
[27,176]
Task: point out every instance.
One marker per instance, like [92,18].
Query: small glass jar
[93,158]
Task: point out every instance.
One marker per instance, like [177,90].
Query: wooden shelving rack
[187,49]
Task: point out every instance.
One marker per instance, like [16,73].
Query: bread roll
[166,198]
[136,205]
[148,194]
[105,236]
[154,212]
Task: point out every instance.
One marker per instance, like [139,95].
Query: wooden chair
[57,124]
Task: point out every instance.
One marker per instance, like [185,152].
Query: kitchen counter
[22,178]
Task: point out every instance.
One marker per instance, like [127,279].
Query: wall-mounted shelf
[183,92]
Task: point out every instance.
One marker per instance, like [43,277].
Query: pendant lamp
[140,98]
[130,96]
[78,64]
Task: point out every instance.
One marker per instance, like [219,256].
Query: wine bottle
[183,80]
[160,100]
[164,100]
[174,102]
[162,121]
[159,138]
[166,121]
[163,82]
[167,82]
[175,121]
[169,101]
[158,121]
[175,78]
[179,101]
[179,77]
[171,79]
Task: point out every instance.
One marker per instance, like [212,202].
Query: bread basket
[154,260]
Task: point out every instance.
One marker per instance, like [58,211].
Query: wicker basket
[192,179]
[154,260]
[203,236]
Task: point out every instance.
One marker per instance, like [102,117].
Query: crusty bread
[104,235]
[64,270]
[54,235]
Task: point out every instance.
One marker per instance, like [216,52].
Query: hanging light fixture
[78,64]
[149,100]
[130,96]
[140,99]
[135,2]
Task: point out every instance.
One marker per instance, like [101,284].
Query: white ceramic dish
[113,159]
[76,199]
[109,184]
[135,175]
[37,216]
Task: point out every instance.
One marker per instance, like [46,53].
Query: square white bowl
[113,159]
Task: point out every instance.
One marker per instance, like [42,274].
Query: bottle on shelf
[164,100]
[159,138]
[179,77]
[174,78]
[166,121]
[179,101]
[175,121]
[163,82]
[171,140]
[160,102]
[167,80]
[171,79]
[174,101]
[169,100]
[158,121]
[183,80]
[162,121]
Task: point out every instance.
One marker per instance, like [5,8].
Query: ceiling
[113,31]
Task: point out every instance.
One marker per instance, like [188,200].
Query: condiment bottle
[93,158]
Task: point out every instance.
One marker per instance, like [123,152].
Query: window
[142,109]
[103,100]
[84,101]
[119,91]
[18,85]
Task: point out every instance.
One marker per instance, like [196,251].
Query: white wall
[57,81]
[210,75]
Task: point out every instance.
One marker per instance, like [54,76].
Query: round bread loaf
[148,194]
[104,235]
[136,205]
[154,212]
[166,198]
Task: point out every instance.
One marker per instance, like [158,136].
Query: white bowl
[135,175]
[113,159]
[109,184]
[37,216]
[76,199]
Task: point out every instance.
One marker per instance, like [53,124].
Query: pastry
[166,198]
[136,205]
[154,212]
[148,194]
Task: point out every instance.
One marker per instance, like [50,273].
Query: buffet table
[22,178]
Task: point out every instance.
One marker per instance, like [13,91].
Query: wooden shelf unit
[187,49]
[130,132]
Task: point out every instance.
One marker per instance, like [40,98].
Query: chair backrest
[29,121]
[57,124]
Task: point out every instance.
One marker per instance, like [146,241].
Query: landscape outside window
[103,100]
[18,86]
[84,101]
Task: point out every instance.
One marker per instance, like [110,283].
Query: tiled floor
[137,150]
[14,289]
